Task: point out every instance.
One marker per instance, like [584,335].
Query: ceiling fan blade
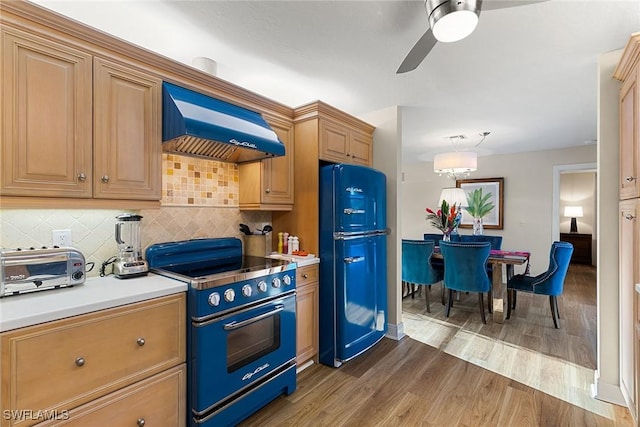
[418,52]
[503,4]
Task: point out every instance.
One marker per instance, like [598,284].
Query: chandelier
[455,164]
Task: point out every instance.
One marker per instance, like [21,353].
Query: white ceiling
[527,74]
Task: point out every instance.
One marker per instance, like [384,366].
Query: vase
[446,237]
[477,227]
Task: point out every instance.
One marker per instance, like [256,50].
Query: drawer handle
[80,361]
[305,276]
[82,177]
[105,178]
[630,178]
[140,341]
[629,217]
[268,190]
[141,422]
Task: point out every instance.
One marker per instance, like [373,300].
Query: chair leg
[510,293]
[442,293]
[552,302]
[515,296]
[449,302]
[426,296]
[557,311]
[481,301]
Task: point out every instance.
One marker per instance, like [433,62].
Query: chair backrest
[496,241]
[416,267]
[551,282]
[465,266]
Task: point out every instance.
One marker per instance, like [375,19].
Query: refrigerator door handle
[349,211]
[341,235]
[352,259]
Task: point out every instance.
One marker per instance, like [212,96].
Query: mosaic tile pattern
[189,181]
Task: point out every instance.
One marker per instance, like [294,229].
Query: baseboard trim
[607,392]
[395,332]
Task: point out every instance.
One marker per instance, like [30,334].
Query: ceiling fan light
[455,26]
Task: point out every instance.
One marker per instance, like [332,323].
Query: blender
[129,262]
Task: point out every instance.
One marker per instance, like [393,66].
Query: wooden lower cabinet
[581,247]
[156,401]
[61,365]
[307,301]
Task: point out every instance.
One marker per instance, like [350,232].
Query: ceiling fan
[450,21]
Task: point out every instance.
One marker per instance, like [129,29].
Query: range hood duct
[197,125]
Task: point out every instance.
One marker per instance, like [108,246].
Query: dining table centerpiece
[446,219]
[478,206]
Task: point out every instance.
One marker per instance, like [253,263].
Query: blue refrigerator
[353,261]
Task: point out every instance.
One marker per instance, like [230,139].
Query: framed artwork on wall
[493,186]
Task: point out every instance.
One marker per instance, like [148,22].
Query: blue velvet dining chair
[465,270]
[416,265]
[436,264]
[550,283]
[496,244]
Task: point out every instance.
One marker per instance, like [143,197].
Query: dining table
[503,262]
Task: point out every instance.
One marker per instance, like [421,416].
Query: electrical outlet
[61,237]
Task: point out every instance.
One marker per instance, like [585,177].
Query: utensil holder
[255,245]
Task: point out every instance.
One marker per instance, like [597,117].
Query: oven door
[231,352]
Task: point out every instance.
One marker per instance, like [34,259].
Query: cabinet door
[277,173]
[360,148]
[127,143]
[629,139]
[46,118]
[334,142]
[307,300]
[629,253]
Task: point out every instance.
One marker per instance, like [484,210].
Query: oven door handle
[235,325]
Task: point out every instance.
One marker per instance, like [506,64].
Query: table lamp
[573,212]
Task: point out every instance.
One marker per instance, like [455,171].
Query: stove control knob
[286,279]
[246,290]
[275,282]
[262,286]
[229,295]
[214,299]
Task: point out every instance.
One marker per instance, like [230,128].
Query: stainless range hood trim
[198,125]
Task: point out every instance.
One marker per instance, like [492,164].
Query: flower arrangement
[446,219]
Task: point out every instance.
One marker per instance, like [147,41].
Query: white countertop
[301,261]
[95,294]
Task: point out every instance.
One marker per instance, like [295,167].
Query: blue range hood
[194,124]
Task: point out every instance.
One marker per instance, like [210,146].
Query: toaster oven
[30,270]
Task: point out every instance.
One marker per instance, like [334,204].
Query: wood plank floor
[410,383]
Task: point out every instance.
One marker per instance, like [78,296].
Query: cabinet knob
[105,178]
[268,190]
[80,361]
[630,178]
[141,422]
[305,276]
[82,177]
[629,217]
[140,341]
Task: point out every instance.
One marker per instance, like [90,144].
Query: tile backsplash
[190,181]
[92,231]
[199,199]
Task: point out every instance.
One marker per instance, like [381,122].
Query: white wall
[386,158]
[528,197]
[607,385]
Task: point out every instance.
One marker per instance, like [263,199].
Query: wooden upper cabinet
[628,71]
[341,143]
[46,118]
[268,184]
[127,136]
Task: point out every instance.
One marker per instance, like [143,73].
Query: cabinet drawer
[63,364]
[307,274]
[156,401]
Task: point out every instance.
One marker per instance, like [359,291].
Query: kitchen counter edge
[95,294]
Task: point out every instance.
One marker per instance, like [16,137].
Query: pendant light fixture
[455,164]
[452,20]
